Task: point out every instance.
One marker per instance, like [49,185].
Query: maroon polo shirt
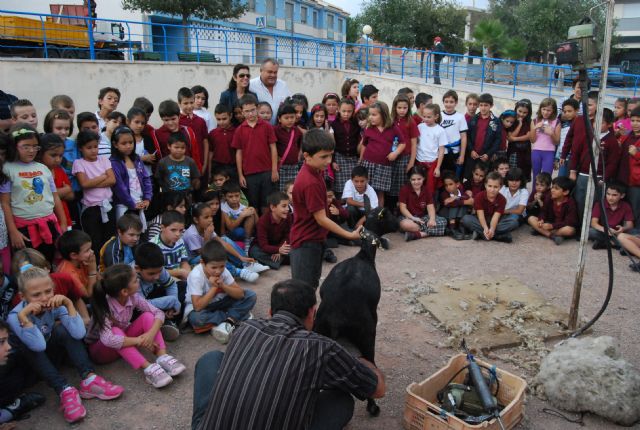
[481,131]
[417,119]
[199,127]
[254,143]
[475,188]
[482,203]
[416,203]
[560,215]
[309,196]
[283,136]
[409,130]
[377,144]
[270,234]
[615,217]
[220,145]
[347,136]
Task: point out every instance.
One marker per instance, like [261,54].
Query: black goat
[350,294]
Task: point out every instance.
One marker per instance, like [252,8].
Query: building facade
[627,16]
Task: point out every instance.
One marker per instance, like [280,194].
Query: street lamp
[366,31]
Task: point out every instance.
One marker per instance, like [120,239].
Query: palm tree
[514,49]
[489,34]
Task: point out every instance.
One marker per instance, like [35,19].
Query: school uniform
[533,207]
[560,215]
[220,140]
[616,217]
[409,131]
[377,146]
[270,235]
[417,204]
[160,138]
[288,145]
[347,137]
[456,209]
[630,174]
[199,127]
[482,203]
[484,138]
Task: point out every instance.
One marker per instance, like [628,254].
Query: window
[315,19]
[330,22]
[288,12]
[271,7]
[303,14]
[251,5]
[340,25]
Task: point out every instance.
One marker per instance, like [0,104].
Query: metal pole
[92,51]
[586,218]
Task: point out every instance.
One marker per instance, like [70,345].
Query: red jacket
[629,171]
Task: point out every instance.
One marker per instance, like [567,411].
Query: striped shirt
[173,255]
[272,373]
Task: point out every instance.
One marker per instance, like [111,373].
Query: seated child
[501,165]
[177,171]
[631,244]
[78,259]
[516,194]
[158,287]
[559,215]
[221,175]
[115,333]
[48,326]
[9,296]
[238,220]
[203,230]
[214,301]
[176,258]
[488,222]
[475,186]
[171,201]
[338,214]
[454,204]
[537,198]
[353,194]
[418,213]
[119,249]
[619,216]
[272,233]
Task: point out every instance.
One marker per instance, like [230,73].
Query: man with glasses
[268,87]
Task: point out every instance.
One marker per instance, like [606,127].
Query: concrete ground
[407,343]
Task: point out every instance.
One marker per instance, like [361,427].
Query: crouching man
[277,374]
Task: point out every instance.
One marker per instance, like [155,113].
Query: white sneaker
[171,365]
[156,376]
[248,275]
[222,332]
[257,267]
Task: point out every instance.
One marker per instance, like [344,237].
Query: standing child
[488,222]
[485,132]
[132,190]
[176,258]
[454,204]
[51,155]
[559,216]
[401,115]
[95,176]
[619,216]
[517,196]
[60,123]
[301,106]
[431,147]
[418,212]
[48,327]
[422,99]
[144,147]
[214,301]
[272,245]
[108,99]
[519,148]
[64,102]
[570,109]
[351,91]
[508,120]
[332,103]
[220,139]
[114,120]
[545,135]
[319,115]
[539,196]
[622,124]
[201,106]
[629,173]
[471,103]
[369,94]
[346,133]
[177,171]
[381,145]
[23,111]
[288,141]
[265,113]
[455,125]
[115,333]
[33,211]
[188,119]
[169,112]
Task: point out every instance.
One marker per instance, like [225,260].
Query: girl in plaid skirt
[346,133]
[289,140]
[382,143]
[418,214]
[401,115]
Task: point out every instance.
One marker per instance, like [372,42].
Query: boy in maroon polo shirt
[186,99]
[169,112]
[559,215]
[489,205]
[485,132]
[272,233]
[475,185]
[220,138]
[256,154]
[619,216]
[311,223]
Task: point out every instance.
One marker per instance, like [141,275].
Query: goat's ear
[367,205]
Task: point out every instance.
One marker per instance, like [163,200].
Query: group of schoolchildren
[149,228]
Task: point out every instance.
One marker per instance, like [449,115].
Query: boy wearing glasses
[256,154]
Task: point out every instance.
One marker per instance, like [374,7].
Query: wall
[39,80]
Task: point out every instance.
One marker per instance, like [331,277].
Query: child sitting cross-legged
[418,212]
[454,204]
[115,333]
[119,249]
[517,195]
[176,258]
[48,327]
[272,233]
[619,216]
[559,215]
[238,220]
[214,301]
[539,194]
[353,194]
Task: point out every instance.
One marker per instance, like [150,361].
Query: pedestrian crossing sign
[260,22]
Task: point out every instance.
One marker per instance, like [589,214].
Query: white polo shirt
[280,93]
[521,197]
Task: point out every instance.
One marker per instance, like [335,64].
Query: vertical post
[515,80]
[45,54]
[253,50]
[344,46]
[550,79]
[226,46]
[130,43]
[426,78]
[317,52]
[482,76]
[453,73]
[404,54]
[366,40]
[595,143]
[635,87]
[164,38]
[276,55]
[92,51]
[334,55]
[195,29]
[380,62]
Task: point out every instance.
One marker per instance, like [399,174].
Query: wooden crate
[422,412]
[31,30]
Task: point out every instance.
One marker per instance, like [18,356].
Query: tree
[489,34]
[203,9]
[514,48]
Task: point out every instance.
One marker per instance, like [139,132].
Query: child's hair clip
[26,267]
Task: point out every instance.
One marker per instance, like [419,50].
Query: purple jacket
[120,190]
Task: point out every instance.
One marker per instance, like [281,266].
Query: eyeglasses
[29,147]
[244,75]
[249,111]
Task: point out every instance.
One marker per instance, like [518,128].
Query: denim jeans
[265,258]
[227,307]
[306,263]
[333,409]
[505,225]
[59,346]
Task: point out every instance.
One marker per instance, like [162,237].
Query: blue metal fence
[39,35]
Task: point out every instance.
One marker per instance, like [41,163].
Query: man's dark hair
[129,221]
[485,98]
[168,108]
[367,91]
[185,93]
[71,241]
[178,136]
[617,186]
[103,92]
[248,99]
[149,256]
[83,117]
[571,102]
[213,251]
[276,197]
[359,171]
[144,104]
[170,217]
[317,140]
[293,296]
[231,187]
[607,116]
[452,94]
[221,108]
[564,183]
[422,99]
[493,176]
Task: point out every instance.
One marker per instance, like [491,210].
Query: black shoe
[558,240]
[534,232]
[635,267]
[384,242]
[24,404]
[623,252]
[504,238]
[458,235]
[329,256]
[599,245]
[449,231]
[476,236]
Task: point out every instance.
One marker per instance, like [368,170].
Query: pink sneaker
[71,405]
[100,388]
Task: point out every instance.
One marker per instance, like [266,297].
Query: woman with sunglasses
[238,86]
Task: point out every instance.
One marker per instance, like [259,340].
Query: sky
[354,6]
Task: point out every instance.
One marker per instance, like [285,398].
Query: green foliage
[354,29]
[489,33]
[514,48]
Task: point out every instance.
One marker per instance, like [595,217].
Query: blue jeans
[505,225]
[59,346]
[227,307]
[333,408]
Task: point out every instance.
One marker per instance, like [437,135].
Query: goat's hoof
[373,409]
